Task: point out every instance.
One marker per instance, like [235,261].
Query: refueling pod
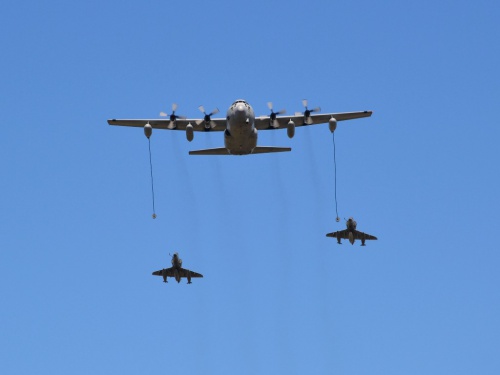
[290,129]
[148,130]
[332,124]
[189,132]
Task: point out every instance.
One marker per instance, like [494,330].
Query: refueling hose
[152,185]
[335,169]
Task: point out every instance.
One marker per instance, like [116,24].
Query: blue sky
[78,245]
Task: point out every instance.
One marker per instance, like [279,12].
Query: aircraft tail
[224,151]
[266,149]
[210,151]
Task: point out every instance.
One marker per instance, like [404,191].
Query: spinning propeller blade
[207,119]
[272,117]
[307,113]
[173,117]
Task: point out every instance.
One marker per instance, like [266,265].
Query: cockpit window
[238,102]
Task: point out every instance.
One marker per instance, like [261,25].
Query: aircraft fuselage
[351,224]
[176,264]
[351,227]
[240,137]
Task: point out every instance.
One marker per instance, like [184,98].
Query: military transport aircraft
[240,126]
[351,234]
[176,271]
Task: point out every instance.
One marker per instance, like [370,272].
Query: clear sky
[78,244]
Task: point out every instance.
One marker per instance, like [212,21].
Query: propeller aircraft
[240,126]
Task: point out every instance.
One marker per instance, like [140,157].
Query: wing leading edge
[181,124]
[183,272]
[344,234]
[262,122]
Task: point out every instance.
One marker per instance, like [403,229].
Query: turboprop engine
[189,132]
[290,129]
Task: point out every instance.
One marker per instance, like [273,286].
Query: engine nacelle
[332,124]
[189,132]
[290,129]
[148,130]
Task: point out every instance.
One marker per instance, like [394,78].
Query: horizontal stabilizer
[224,151]
[210,151]
[266,149]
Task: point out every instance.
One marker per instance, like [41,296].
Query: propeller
[307,112]
[273,122]
[173,117]
[207,119]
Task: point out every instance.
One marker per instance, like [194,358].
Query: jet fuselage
[177,265]
[351,227]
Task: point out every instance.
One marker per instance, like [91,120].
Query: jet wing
[185,272]
[357,235]
[181,124]
[263,122]
[168,272]
[360,235]
[182,273]
[343,234]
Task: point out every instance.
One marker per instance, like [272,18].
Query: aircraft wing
[185,272]
[360,235]
[263,122]
[357,235]
[343,234]
[168,271]
[218,123]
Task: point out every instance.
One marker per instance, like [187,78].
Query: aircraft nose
[240,111]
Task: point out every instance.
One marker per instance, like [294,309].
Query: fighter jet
[351,234]
[176,271]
